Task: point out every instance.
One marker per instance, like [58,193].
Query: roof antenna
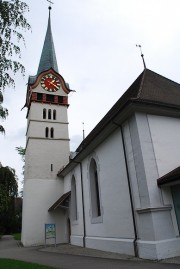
[142,55]
[83,131]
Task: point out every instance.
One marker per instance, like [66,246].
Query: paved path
[9,248]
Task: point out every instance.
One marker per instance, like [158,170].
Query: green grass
[17,236]
[14,264]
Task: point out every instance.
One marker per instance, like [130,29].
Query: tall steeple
[48,55]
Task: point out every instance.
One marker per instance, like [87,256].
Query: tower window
[39,96]
[51,167]
[52,132]
[60,99]
[50,98]
[44,113]
[49,114]
[54,114]
[47,132]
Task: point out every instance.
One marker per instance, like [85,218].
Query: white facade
[44,157]
[157,234]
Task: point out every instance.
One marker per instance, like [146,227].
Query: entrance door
[176,199]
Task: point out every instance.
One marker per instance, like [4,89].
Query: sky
[95,43]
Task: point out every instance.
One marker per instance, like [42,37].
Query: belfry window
[94,188]
[49,114]
[60,99]
[44,113]
[39,96]
[52,132]
[47,132]
[50,98]
[73,199]
[54,114]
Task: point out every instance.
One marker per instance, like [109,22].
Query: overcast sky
[95,43]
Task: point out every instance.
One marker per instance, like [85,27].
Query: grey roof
[148,89]
[48,56]
[60,201]
[171,178]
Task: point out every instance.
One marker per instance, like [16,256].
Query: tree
[12,22]
[3,113]
[8,194]
[21,151]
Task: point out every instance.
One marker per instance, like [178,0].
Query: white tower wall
[44,157]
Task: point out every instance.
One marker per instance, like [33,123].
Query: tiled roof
[149,87]
[157,88]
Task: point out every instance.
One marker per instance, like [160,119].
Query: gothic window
[73,200]
[47,132]
[49,114]
[54,114]
[94,187]
[52,132]
[44,113]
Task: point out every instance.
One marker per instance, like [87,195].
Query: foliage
[17,236]
[15,264]
[8,194]
[3,113]
[22,151]
[12,22]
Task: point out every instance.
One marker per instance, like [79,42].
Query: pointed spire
[48,55]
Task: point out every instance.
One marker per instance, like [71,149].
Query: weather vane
[50,3]
[142,55]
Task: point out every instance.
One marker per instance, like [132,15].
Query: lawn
[14,264]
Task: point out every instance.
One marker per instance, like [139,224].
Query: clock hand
[51,82]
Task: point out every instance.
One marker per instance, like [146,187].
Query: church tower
[47,146]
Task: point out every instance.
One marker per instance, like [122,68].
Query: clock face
[50,83]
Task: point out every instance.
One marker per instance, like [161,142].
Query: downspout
[130,192]
[82,196]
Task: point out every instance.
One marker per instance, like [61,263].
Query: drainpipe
[82,196]
[130,192]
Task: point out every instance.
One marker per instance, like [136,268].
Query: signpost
[50,232]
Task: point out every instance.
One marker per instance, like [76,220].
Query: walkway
[70,257]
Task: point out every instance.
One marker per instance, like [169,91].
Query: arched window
[94,186]
[49,114]
[47,132]
[73,199]
[52,132]
[44,113]
[54,114]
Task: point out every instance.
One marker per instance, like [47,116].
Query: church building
[120,190]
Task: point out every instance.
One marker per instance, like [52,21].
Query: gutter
[130,192]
